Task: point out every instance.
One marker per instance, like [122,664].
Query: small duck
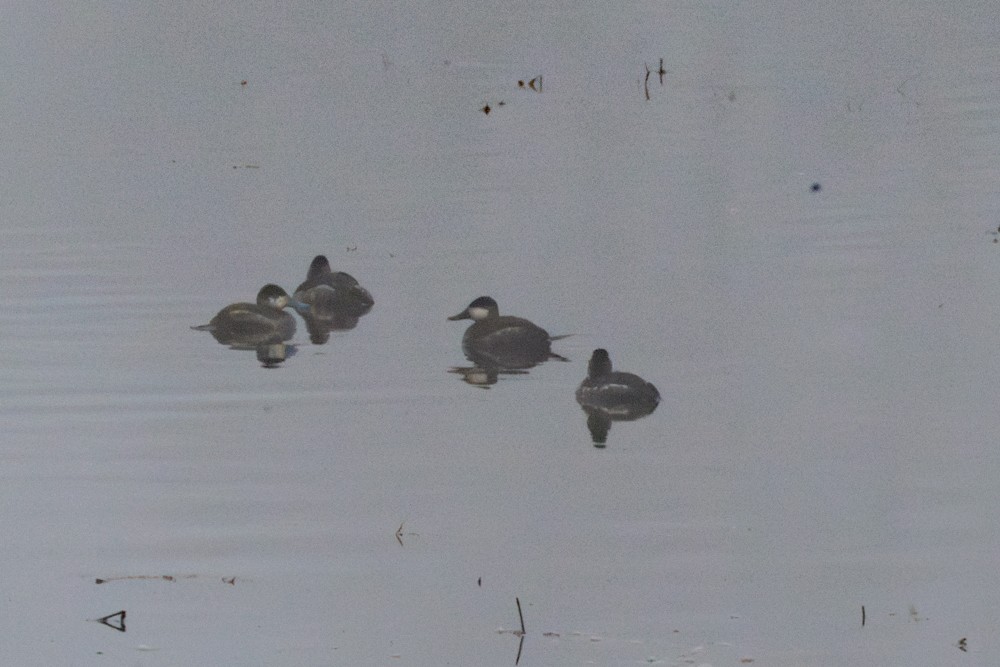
[607,395]
[503,341]
[614,391]
[249,325]
[326,292]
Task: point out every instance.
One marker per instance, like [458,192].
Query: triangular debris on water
[115,620]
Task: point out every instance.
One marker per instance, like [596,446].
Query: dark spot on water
[486,109]
[520,83]
[816,187]
[243,82]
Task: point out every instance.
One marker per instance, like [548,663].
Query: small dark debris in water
[115,620]
[246,166]
[486,109]
[479,582]
[399,534]
[352,248]
[229,580]
[746,661]
[534,84]
[645,81]
[816,187]
[862,616]
[963,645]
[550,634]
[243,82]
[156,577]
[161,577]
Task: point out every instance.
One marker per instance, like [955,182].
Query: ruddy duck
[337,292]
[252,324]
[612,390]
[503,341]
[607,395]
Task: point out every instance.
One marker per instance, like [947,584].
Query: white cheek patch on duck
[479,313]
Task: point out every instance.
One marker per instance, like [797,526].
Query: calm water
[827,435]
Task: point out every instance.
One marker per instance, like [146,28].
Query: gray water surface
[827,358]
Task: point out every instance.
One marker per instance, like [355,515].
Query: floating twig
[171,578]
[519,614]
[862,616]
[135,577]
[645,83]
[110,619]
[400,534]
[661,71]
[963,645]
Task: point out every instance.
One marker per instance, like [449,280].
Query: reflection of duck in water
[607,395]
[250,325]
[503,341]
[335,299]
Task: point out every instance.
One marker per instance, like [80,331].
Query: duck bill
[464,315]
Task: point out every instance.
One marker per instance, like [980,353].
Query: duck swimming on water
[503,341]
[333,300]
[607,395]
[252,324]
[326,290]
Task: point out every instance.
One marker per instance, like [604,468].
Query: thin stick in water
[519,614]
